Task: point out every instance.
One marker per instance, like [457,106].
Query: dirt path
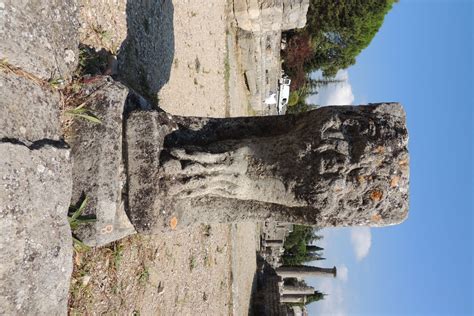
[206,270]
[244,264]
[198,77]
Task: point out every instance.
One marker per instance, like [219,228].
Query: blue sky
[422,57]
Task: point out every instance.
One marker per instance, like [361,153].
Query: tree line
[335,34]
[300,248]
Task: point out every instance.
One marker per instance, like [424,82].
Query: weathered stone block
[40,37]
[35,237]
[29,112]
[145,135]
[270,15]
[294,14]
[98,170]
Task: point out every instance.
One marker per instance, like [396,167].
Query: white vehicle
[283,94]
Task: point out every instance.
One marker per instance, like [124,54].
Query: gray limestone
[29,111]
[260,24]
[145,135]
[305,271]
[294,14]
[40,37]
[270,15]
[35,168]
[292,299]
[35,237]
[334,166]
[261,65]
[297,290]
[98,170]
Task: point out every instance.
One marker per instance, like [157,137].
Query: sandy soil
[205,270]
[180,273]
[103,23]
[243,266]
[198,79]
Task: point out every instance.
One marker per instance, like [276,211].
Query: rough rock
[259,16]
[40,37]
[261,65]
[334,166]
[145,135]
[294,14]
[98,170]
[35,237]
[30,112]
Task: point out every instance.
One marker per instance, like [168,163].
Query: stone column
[334,166]
[305,271]
[313,248]
[292,299]
[299,290]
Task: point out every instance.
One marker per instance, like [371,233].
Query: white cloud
[333,304]
[361,240]
[343,273]
[334,94]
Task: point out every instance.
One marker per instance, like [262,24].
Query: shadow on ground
[252,310]
[93,62]
[265,299]
[146,55]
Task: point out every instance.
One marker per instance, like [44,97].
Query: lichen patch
[376,195]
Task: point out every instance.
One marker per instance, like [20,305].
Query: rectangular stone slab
[35,237]
[98,170]
[29,111]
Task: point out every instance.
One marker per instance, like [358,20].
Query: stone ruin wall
[260,16]
[260,24]
[270,251]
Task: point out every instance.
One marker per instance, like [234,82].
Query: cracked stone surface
[35,191]
[29,112]
[40,37]
[35,237]
[98,169]
[270,15]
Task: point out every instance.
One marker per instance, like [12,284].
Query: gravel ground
[198,77]
[204,270]
[179,273]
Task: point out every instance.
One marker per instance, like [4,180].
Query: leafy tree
[297,101]
[314,248]
[315,84]
[317,296]
[296,55]
[338,31]
[296,246]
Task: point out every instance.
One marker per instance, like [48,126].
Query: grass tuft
[82,112]
[75,219]
[192,263]
[144,276]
